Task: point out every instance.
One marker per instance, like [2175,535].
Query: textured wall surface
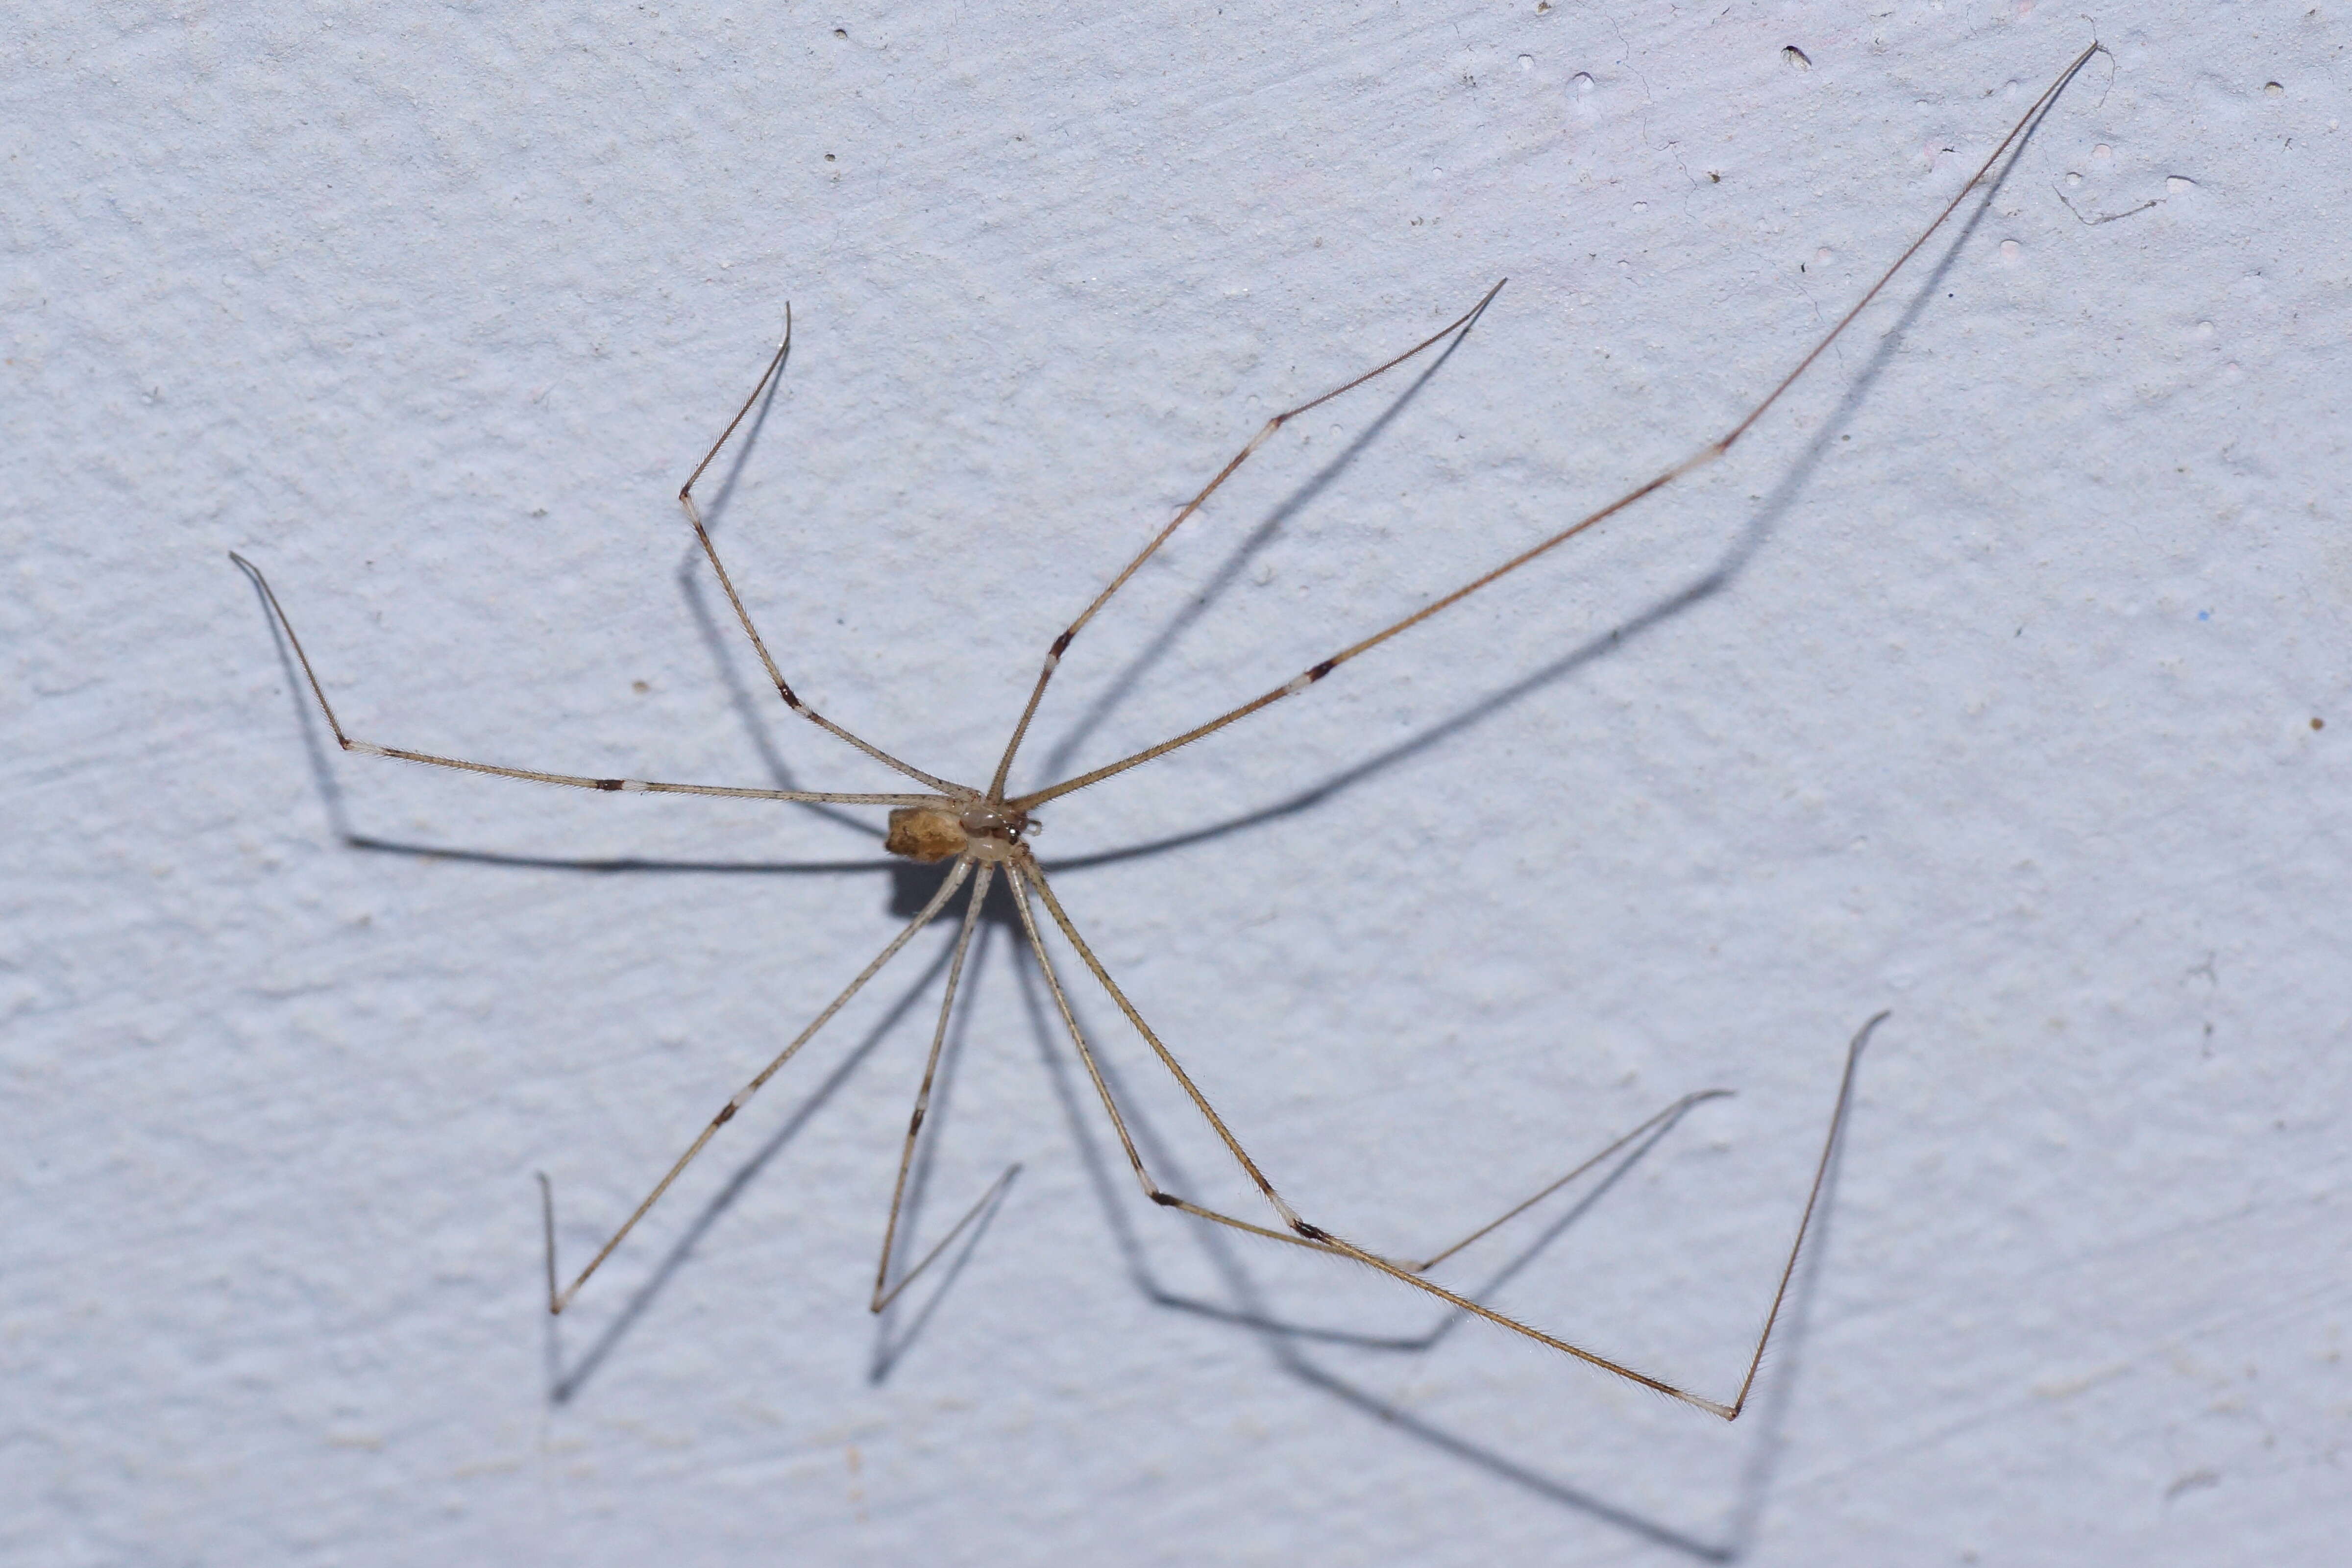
[1999,678]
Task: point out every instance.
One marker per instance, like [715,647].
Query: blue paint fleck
[2204,615]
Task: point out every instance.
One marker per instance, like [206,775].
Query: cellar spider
[983,831]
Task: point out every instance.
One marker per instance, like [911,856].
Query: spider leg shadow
[1288,1343]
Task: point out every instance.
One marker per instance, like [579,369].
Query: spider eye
[992,822]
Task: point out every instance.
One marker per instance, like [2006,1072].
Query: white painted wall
[2002,713]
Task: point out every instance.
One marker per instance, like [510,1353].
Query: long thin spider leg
[1314,1236]
[1078,1038]
[1028,868]
[1461,323]
[534,775]
[931,1072]
[557,1301]
[1661,1119]
[1700,459]
[1813,1193]
[759,646]
[1323,1240]
[980,1206]
[1299,1233]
